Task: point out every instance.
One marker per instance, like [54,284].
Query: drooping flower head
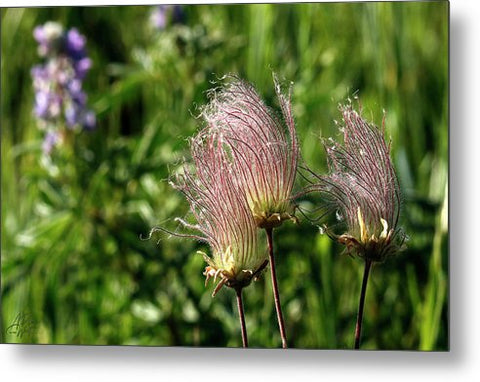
[364,189]
[260,145]
[222,215]
[59,97]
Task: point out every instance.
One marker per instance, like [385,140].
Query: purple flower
[51,139]
[160,14]
[223,217]
[82,66]
[49,38]
[48,105]
[363,189]
[39,35]
[261,146]
[72,115]
[158,18]
[38,73]
[75,44]
[89,120]
[74,87]
[77,115]
[58,82]
[42,103]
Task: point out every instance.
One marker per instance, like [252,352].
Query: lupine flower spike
[223,219]
[59,97]
[263,151]
[363,189]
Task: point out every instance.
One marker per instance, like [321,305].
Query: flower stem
[276,295]
[242,317]
[358,326]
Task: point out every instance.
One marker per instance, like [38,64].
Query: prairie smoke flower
[222,214]
[262,150]
[261,147]
[364,189]
[223,218]
[58,82]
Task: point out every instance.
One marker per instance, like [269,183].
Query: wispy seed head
[363,188]
[222,215]
[260,145]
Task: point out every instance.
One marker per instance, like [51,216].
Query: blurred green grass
[71,250]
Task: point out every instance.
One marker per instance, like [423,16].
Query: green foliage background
[72,257]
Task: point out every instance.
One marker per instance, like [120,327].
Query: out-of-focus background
[74,269]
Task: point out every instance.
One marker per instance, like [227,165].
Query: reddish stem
[276,295]
[358,326]
[242,317]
